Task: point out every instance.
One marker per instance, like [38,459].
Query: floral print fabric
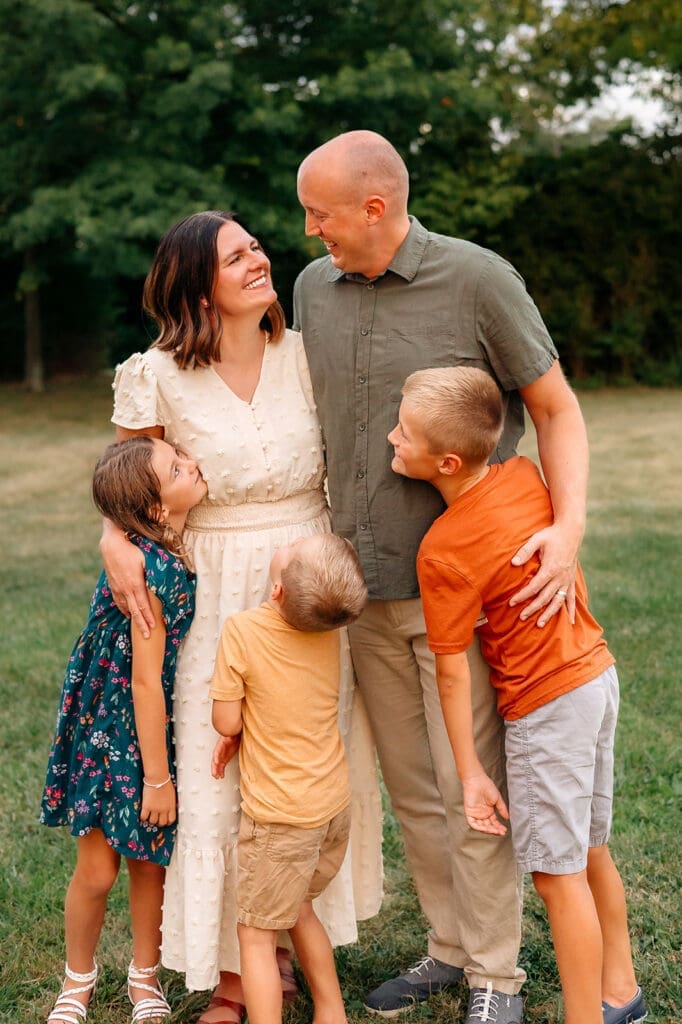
[94,774]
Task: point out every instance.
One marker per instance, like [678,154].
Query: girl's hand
[124,566]
[159,806]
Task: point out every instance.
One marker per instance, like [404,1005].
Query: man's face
[335,217]
[411,450]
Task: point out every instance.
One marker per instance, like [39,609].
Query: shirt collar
[405,263]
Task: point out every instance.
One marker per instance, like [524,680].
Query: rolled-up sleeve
[136,394]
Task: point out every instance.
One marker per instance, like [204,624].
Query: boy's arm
[481,796]
[227,720]
[158,805]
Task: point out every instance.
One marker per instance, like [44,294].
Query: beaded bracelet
[157,785]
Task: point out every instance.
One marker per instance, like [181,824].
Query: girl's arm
[158,804]
[481,796]
[124,563]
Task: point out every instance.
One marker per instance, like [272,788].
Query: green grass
[632,560]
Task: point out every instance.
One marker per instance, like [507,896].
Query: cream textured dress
[263,462]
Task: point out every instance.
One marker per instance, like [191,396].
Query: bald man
[389,298]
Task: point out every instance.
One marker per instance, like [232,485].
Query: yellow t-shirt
[291,757]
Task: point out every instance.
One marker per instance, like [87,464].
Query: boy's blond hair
[324,590]
[460,410]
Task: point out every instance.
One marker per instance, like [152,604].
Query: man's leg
[470,898]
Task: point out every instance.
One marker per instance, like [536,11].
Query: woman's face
[242,283]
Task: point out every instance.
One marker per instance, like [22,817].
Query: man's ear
[450,464]
[375,208]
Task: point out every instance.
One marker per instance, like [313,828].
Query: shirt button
[364,330]
[362,426]
[360,474]
[370,287]
[363,526]
[362,379]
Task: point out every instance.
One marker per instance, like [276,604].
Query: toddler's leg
[577,939]
[316,957]
[260,974]
[619,984]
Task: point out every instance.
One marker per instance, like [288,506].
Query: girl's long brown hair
[184,272]
[126,490]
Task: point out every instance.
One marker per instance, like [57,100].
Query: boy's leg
[619,984]
[86,903]
[315,955]
[260,974]
[577,939]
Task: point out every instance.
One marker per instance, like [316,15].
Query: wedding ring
[561,593]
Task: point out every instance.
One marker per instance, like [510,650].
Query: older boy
[277,681]
[557,689]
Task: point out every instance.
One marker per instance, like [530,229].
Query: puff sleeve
[135,387]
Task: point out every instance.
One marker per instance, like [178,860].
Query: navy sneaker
[487,1004]
[632,1013]
[417,984]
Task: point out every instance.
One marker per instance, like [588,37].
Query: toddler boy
[557,687]
[276,680]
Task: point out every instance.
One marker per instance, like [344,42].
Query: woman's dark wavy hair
[183,272]
[127,491]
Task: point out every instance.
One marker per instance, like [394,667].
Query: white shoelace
[484,1005]
[427,961]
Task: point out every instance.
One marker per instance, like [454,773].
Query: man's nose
[311,225]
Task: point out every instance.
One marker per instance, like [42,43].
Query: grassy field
[632,557]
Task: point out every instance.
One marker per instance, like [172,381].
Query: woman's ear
[162,514]
[204,301]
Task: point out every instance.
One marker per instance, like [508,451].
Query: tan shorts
[282,866]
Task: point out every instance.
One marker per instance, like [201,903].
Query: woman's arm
[124,562]
[158,804]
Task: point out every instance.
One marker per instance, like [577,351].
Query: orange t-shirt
[465,572]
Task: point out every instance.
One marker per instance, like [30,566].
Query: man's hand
[124,566]
[554,582]
[481,799]
[223,752]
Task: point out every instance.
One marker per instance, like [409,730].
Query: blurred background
[548,130]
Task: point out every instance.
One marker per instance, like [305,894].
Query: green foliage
[116,119]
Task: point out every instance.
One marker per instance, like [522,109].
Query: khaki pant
[468,884]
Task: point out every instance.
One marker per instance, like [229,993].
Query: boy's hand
[481,799]
[159,805]
[223,752]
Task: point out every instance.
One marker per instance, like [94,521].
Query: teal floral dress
[94,775]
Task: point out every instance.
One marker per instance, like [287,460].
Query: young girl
[110,776]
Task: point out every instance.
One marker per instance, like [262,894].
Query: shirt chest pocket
[429,345]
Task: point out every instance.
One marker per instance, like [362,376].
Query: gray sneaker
[487,1004]
[632,1013]
[417,984]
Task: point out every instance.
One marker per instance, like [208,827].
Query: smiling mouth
[258,283]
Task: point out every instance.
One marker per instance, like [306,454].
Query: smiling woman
[228,384]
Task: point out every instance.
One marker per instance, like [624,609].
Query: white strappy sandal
[68,1010]
[155,1005]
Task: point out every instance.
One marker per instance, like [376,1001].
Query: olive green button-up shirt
[441,302]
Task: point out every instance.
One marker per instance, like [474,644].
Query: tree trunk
[34,377]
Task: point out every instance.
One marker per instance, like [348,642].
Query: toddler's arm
[227,720]
[481,796]
[158,796]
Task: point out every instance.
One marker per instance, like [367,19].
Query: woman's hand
[124,566]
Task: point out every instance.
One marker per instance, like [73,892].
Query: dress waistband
[257,515]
